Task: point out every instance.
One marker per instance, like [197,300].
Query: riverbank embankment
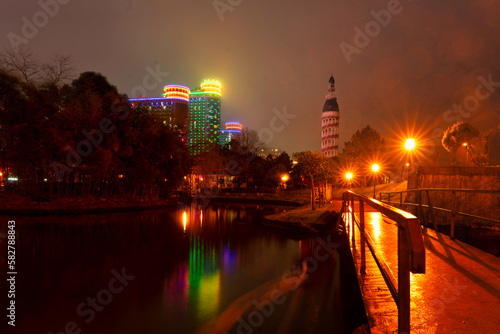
[12,204]
[303,221]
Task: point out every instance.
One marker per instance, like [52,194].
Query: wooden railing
[397,197]
[411,250]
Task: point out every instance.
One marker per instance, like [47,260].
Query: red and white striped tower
[330,123]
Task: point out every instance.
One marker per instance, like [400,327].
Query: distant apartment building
[204,117]
[172,109]
[231,129]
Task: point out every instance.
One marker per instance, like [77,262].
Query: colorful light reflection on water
[199,280]
[206,281]
[190,267]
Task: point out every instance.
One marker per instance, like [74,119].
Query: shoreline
[304,222]
[12,204]
[254,200]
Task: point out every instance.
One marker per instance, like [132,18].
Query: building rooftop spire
[331,98]
[332,80]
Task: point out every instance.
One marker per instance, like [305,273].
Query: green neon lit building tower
[204,117]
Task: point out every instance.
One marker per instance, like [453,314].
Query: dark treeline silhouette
[82,138]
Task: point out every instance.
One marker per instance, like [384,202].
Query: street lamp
[284,178]
[410,144]
[467,153]
[409,147]
[375,169]
[348,176]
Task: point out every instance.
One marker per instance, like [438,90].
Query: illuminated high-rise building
[231,130]
[204,117]
[330,122]
[172,109]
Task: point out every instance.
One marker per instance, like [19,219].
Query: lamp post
[467,153]
[409,146]
[375,169]
[284,178]
[348,177]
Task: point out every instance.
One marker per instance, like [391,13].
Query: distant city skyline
[400,65]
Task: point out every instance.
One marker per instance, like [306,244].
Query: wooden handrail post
[403,278]
[353,239]
[389,198]
[362,270]
[345,208]
[421,215]
[342,212]
[431,209]
[453,215]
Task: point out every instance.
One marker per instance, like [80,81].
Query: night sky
[280,54]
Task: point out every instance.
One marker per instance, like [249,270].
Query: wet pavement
[459,293]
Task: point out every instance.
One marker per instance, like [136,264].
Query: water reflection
[374,219]
[190,266]
[214,257]
[184,220]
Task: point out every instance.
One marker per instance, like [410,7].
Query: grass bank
[13,204]
[303,221]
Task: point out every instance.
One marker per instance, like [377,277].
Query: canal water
[182,270]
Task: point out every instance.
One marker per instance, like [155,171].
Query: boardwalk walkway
[459,293]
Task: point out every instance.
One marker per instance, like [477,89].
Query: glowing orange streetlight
[410,144]
[349,177]
[467,152]
[409,147]
[284,178]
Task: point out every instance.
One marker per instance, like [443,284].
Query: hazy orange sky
[409,68]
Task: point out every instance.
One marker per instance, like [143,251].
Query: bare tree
[20,62]
[249,140]
[60,69]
